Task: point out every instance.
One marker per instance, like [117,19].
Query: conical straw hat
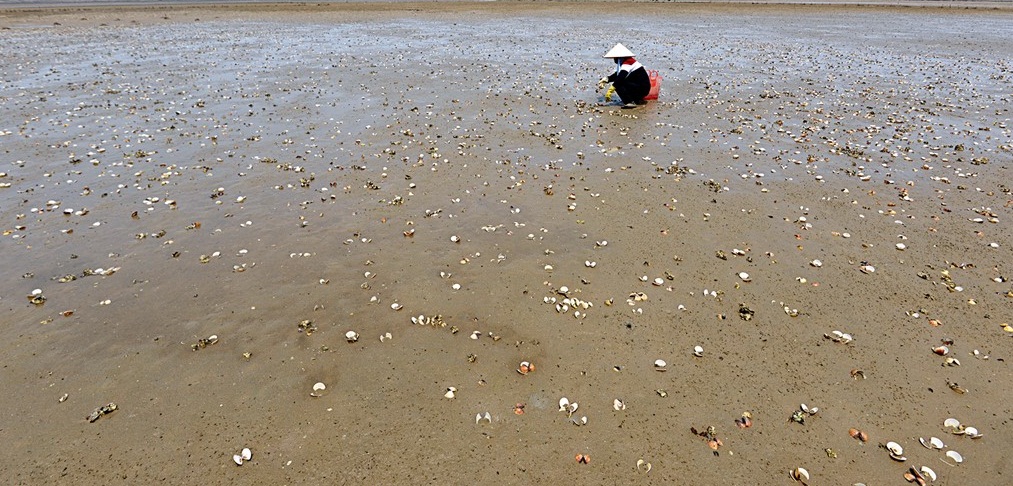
[618,51]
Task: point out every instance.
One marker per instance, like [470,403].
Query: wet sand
[234,171]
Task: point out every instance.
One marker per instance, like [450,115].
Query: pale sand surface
[300,144]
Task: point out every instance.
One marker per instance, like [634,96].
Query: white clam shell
[744,276]
[659,281]
[660,364]
[352,336]
[955,456]
[951,422]
[451,391]
[618,405]
[319,386]
[238,459]
[246,454]
[894,448]
[564,404]
[932,443]
[816,263]
[928,472]
[698,351]
[799,474]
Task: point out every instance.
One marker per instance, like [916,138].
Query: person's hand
[603,82]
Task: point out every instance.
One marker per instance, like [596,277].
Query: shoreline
[456,5]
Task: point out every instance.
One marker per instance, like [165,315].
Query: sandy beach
[209,209]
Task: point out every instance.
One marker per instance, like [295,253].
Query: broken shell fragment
[618,405]
[103,410]
[816,263]
[451,391]
[480,417]
[351,336]
[799,474]
[955,456]
[643,466]
[941,350]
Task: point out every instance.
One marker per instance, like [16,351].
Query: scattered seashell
[941,350]
[238,459]
[799,474]
[525,368]
[351,336]
[867,269]
[583,459]
[385,337]
[319,387]
[660,365]
[579,421]
[970,432]
[618,405]
[744,276]
[932,443]
[955,456]
[928,472]
[896,451]
[658,282]
[951,422]
[901,246]
[396,306]
[246,454]
[810,411]
[451,392]
[643,466]
[698,351]
[951,362]
[479,417]
[590,264]
[816,263]
[745,421]
[564,404]
[858,434]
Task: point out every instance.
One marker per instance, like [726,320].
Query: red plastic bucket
[655,85]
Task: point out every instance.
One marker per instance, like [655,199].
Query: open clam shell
[932,443]
[564,404]
[928,473]
[955,456]
[951,422]
[660,365]
[698,351]
[799,474]
[246,454]
[896,451]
